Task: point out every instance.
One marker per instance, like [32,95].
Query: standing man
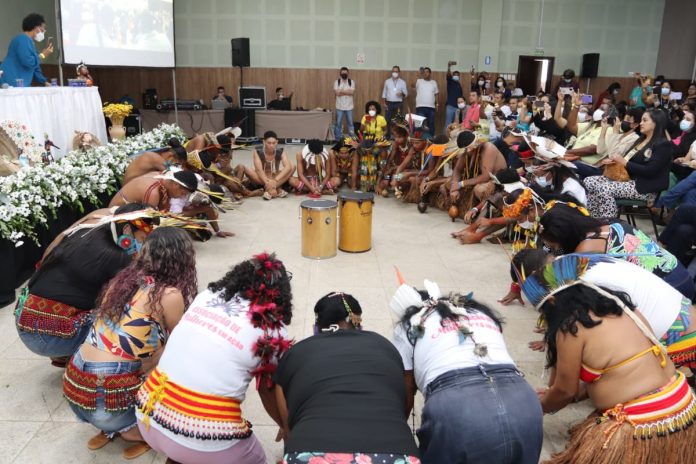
[454,92]
[22,61]
[393,95]
[344,88]
[426,97]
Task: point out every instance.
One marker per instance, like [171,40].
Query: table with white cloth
[56,111]
[295,124]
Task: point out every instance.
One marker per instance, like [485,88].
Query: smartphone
[586,99]
[487,98]
[50,41]
[538,104]
[567,90]
[675,96]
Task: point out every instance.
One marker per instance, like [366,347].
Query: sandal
[136,450]
[98,441]
[266,196]
[282,193]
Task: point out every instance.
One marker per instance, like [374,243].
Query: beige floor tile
[15,436]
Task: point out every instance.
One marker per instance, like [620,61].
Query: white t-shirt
[425,93]
[210,351]
[573,187]
[344,102]
[656,300]
[440,349]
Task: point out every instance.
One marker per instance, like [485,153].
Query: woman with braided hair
[341,393]
[189,408]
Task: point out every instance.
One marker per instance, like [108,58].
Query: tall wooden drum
[355,230]
[318,228]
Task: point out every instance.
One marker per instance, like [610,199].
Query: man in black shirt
[282,102]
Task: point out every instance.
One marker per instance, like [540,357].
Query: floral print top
[625,239]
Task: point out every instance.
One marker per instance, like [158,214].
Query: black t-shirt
[282,104]
[345,393]
[77,278]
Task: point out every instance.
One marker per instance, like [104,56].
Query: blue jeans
[450,112]
[392,109]
[338,131]
[487,413]
[585,170]
[680,279]
[52,346]
[429,114]
[108,422]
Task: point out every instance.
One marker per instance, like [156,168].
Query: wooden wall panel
[312,87]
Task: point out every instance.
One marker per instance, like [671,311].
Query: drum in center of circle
[355,223]
[318,228]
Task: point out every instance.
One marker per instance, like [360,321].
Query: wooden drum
[355,230]
[318,228]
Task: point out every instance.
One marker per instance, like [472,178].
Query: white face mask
[372,113]
[280,96]
[455,78]
[39,37]
[582,116]
[395,75]
[597,115]
[664,90]
[615,92]
[529,225]
[568,80]
[543,182]
[685,125]
[499,84]
[481,82]
[461,105]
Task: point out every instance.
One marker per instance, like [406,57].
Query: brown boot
[136,450]
[98,441]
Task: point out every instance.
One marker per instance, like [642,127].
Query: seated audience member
[272,169]
[282,102]
[473,112]
[344,163]
[623,135]
[670,315]
[554,180]
[647,162]
[679,237]
[663,97]
[314,174]
[630,381]
[457,117]
[373,124]
[156,191]
[566,229]
[479,83]
[54,311]
[416,164]
[454,354]
[135,314]
[338,380]
[222,96]
[685,145]
[502,86]
[608,96]
[682,194]
[586,128]
[155,161]
[250,307]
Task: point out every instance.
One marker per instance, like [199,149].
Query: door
[535,73]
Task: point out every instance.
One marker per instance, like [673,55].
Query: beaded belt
[35,314]
[80,388]
[188,412]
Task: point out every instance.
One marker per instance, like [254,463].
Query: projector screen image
[120,33]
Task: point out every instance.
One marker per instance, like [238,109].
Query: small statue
[83,74]
[84,141]
[47,156]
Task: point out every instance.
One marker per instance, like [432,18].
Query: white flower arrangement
[20,135]
[29,196]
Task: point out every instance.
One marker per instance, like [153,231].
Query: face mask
[455,78]
[461,105]
[280,96]
[39,37]
[372,113]
[597,115]
[499,84]
[625,126]
[567,80]
[685,125]
[615,92]
[582,116]
[543,182]
[481,82]
[395,75]
[344,76]
[529,225]
[664,91]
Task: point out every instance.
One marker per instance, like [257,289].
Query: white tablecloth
[56,111]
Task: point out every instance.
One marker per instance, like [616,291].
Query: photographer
[586,132]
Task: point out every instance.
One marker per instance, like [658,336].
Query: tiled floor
[37,427]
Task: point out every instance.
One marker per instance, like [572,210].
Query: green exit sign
[539,52]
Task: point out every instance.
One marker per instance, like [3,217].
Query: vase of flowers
[117,112]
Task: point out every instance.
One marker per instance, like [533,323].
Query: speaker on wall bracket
[240,52]
[590,65]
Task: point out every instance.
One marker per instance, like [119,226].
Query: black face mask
[344,76]
[625,126]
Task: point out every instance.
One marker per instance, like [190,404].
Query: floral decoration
[25,141]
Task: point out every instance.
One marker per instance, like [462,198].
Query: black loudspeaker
[252,97]
[590,65]
[150,99]
[244,118]
[240,52]
[132,125]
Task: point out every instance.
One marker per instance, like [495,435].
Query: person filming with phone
[22,64]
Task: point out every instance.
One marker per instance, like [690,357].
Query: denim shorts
[52,346]
[487,413]
[108,422]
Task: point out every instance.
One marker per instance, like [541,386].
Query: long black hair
[567,226]
[572,306]
[334,307]
[528,260]
[99,241]
[446,313]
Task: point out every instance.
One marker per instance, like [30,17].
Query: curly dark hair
[31,21]
[374,103]
[168,258]
[246,280]
[572,306]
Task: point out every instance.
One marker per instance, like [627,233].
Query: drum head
[356,196]
[318,204]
